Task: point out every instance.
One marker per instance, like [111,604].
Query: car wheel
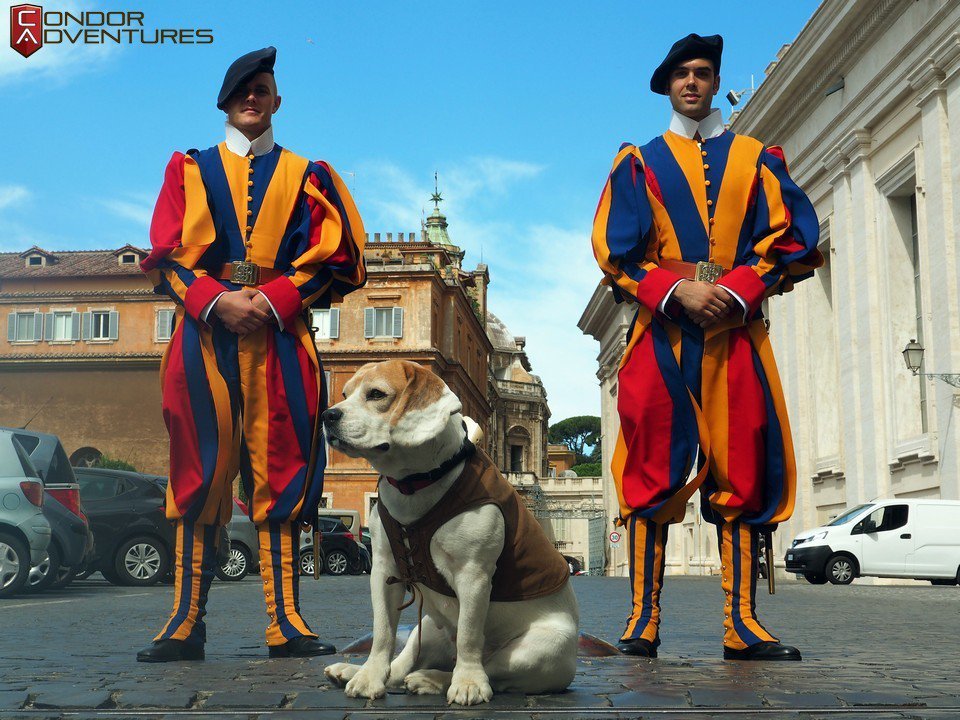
[14,564]
[306,562]
[140,561]
[83,572]
[237,564]
[815,578]
[337,562]
[44,572]
[65,576]
[357,566]
[841,570]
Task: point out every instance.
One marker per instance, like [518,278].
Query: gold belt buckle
[708,272]
[244,273]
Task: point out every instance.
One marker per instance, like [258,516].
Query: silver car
[244,554]
[24,531]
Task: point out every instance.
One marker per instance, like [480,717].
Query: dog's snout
[331,415]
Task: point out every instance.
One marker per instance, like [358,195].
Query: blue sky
[520,107]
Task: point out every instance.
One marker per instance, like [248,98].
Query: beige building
[866,104]
[81,355]
[418,304]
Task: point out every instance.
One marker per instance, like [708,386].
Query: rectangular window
[25,327]
[164,324]
[101,325]
[516,458]
[383,322]
[62,326]
[326,323]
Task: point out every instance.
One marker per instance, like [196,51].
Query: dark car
[340,550]
[69,546]
[134,541]
[72,542]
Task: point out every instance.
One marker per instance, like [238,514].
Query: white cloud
[12,195]
[52,62]
[541,275]
[137,208]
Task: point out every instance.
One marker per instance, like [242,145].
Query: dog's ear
[424,407]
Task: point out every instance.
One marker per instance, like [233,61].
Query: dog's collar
[418,481]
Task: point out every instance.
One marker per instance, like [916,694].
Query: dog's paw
[469,687]
[427,682]
[367,684]
[341,673]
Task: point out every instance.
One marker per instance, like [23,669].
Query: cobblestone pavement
[878,652]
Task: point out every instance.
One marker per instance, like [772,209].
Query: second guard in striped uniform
[698,227]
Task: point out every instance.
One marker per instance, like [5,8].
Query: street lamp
[913,357]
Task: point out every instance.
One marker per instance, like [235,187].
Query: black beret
[244,68]
[691,47]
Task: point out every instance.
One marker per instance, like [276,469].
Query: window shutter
[87,325]
[114,324]
[48,326]
[398,322]
[38,326]
[334,322]
[11,327]
[75,326]
[368,329]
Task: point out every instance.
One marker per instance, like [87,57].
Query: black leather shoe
[763,651]
[638,647]
[170,651]
[302,646]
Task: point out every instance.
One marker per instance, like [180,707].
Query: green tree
[578,433]
[590,469]
[111,463]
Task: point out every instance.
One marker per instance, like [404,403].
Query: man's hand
[238,313]
[705,303]
[260,302]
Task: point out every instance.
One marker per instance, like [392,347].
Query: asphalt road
[878,652]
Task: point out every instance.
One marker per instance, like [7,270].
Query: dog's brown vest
[529,565]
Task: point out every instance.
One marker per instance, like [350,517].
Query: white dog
[406,422]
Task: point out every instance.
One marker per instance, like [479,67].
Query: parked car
[72,541]
[341,553]
[24,531]
[917,539]
[70,544]
[244,555]
[134,541]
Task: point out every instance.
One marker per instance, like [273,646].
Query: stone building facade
[866,103]
[519,421]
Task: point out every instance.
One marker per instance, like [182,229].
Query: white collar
[710,127]
[238,144]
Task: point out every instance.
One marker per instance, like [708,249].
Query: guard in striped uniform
[698,227]
[246,237]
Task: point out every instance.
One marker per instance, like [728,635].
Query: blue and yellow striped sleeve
[624,235]
[785,236]
[329,261]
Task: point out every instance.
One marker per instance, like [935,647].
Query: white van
[917,539]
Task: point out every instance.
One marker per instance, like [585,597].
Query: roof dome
[499,335]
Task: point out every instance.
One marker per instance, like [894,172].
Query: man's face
[252,106]
[692,87]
